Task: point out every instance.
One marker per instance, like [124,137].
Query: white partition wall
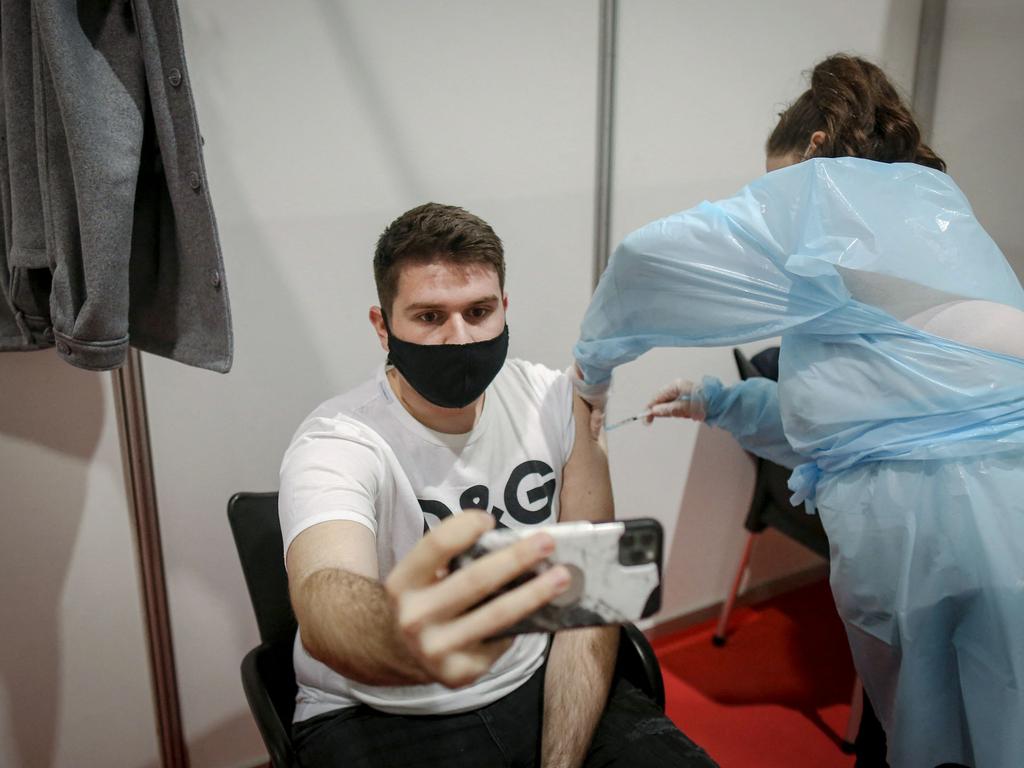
[979,114]
[699,88]
[323,121]
[74,679]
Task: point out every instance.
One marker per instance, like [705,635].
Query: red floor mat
[777,695]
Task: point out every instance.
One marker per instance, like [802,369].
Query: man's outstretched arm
[417,627]
[581,661]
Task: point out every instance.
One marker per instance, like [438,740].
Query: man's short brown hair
[434,232]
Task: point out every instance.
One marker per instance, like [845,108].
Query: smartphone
[615,569]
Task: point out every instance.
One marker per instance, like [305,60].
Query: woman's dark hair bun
[860,112]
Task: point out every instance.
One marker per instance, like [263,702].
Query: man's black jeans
[506,734]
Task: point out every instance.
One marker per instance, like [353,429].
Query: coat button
[174,77]
[194,181]
[63,348]
[215,279]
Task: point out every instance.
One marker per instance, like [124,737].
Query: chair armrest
[638,664]
[276,733]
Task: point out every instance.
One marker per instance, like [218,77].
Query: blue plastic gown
[910,446]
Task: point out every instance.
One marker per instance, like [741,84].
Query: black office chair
[268,676]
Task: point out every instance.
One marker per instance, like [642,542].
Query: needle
[618,424]
[637,417]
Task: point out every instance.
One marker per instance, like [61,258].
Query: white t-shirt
[362,457]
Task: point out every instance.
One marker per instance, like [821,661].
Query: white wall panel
[74,680]
[699,88]
[979,114]
[323,121]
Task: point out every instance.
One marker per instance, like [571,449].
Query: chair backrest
[257,532]
[744,366]
[770,505]
[764,364]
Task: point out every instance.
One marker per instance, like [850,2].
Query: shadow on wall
[48,408]
[721,481]
[218,745]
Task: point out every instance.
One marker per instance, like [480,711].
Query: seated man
[392,658]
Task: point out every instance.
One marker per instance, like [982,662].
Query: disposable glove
[681,398]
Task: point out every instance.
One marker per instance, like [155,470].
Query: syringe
[637,417]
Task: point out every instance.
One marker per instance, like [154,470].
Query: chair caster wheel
[718,641]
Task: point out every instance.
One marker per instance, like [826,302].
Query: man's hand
[434,612]
[423,625]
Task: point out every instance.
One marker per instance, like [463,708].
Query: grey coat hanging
[108,228]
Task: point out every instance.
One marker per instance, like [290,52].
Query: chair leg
[853,723]
[718,639]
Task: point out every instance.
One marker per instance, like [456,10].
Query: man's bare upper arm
[586,484]
[334,544]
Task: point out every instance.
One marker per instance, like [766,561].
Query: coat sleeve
[710,276]
[749,411]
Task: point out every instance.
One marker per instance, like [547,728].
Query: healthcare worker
[900,399]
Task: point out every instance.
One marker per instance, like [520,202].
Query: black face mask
[449,375]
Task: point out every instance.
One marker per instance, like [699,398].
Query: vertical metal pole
[133,428]
[605,126]
[926,64]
